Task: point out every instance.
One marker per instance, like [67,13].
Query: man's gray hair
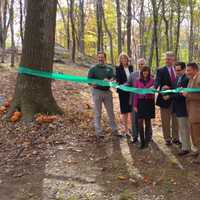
[141,60]
[169,54]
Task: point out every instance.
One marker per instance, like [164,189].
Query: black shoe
[143,145]
[177,142]
[168,142]
[133,140]
[183,152]
[100,136]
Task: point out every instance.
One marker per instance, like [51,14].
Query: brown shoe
[183,152]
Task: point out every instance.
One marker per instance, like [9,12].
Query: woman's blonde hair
[123,55]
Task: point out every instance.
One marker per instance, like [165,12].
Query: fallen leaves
[46,118]
[16,117]
[122,178]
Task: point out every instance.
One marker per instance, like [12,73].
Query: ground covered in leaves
[63,161]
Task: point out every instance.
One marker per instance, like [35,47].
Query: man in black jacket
[179,107]
[166,79]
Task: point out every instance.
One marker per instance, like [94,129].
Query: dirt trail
[65,162]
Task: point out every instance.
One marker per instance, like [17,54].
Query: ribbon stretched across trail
[85,80]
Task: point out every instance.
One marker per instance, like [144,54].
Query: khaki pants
[169,124]
[99,98]
[184,134]
[195,134]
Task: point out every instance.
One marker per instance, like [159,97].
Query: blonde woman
[123,72]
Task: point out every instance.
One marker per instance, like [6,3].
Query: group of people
[179,111]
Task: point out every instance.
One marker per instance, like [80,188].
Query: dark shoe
[183,152]
[99,137]
[168,142]
[120,135]
[177,142]
[143,145]
[133,140]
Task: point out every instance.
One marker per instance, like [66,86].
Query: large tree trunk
[33,94]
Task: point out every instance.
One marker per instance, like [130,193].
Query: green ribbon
[85,80]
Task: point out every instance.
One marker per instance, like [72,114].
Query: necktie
[172,74]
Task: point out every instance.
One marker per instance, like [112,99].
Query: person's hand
[166,97]
[135,109]
[185,94]
[165,87]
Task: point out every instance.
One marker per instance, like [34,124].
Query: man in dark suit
[166,79]
[179,107]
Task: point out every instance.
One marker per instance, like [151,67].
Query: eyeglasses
[178,70]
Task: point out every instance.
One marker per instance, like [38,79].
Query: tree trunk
[1,25]
[82,26]
[142,30]
[166,21]
[129,24]
[155,31]
[110,37]
[178,28]
[191,37]
[151,49]
[6,23]
[21,21]
[12,33]
[33,94]
[73,31]
[100,46]
[68,27]
[171,27]
[119,26]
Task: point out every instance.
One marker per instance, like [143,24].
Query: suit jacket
[179,101]
[121,75]
[163,78]
[193,101]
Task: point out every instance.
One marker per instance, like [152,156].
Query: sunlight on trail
[133,171]
[166,151]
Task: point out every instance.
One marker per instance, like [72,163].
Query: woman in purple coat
[144,105]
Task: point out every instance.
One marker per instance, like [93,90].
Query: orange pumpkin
[45,119]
